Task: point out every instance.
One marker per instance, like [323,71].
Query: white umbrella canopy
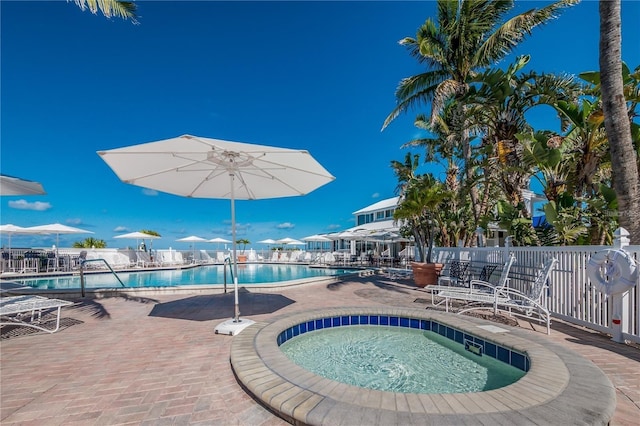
[290,241]
[10,229]
[192,166]
[138,236]
[218,240]
[267,241]
[193,239]
[10,185]
[317,238]
[57,229]
[199,167]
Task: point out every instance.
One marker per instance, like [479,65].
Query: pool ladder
[83,261]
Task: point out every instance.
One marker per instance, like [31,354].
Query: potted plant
[420,209]
[242,257]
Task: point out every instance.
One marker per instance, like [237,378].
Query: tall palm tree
[626,181]
[109,8]
[468,35]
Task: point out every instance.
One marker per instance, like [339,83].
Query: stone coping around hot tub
[561,387]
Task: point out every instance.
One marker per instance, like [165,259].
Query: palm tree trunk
[626,181]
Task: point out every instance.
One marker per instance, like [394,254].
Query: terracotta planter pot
[425,274]
[242,258]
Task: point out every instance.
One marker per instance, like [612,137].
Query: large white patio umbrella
[199,167]
[10,229]
[57,229]
[10,185]
[193,239]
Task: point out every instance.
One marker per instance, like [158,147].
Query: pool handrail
[83,261]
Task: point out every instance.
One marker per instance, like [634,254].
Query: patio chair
[458,275]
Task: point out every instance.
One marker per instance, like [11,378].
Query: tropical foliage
[479,131]
[90,243]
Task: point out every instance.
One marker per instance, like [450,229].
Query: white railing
[571,296]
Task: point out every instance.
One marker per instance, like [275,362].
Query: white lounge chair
[478,293]
[528,304]
[27,311]
[144,259]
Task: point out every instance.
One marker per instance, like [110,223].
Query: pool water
[397,359]
[202,275]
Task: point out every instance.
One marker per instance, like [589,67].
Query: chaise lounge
[27,311]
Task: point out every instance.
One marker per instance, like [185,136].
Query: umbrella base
[231,327]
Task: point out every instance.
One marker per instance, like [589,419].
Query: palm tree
[496,104]
[626,181]
[468,35]
[109,8]
[90,243]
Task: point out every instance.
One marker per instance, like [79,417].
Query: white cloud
[150,192]
[285,225]
[74,222]
[120,229]
[376,195]
[25,205]
[334,226]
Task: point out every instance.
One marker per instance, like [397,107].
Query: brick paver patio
[144,360]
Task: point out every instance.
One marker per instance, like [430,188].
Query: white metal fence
[571,296]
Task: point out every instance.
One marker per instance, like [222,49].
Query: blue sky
[318,76]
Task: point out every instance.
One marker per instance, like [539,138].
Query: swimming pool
[248,274]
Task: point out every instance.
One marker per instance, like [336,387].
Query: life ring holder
[612,271]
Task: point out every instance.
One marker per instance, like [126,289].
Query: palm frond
[110,8]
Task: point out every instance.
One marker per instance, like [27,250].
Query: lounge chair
[458,275]
[528,304]
[27,311]
[204,257]
[144,259]
[479,292]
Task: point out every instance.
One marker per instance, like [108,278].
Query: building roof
[386,225]
[380,205]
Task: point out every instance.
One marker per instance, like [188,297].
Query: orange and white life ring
[612,271]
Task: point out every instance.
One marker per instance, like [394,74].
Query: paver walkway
[137,360]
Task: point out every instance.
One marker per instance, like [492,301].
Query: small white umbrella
[138,236]
[193,166]
[268,242]
[290,241]
[219,240]
[317,238]
[10,185]
[193,239]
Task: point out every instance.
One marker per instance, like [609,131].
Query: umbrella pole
[236,317]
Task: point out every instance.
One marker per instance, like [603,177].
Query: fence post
[507,244]
[620,302]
